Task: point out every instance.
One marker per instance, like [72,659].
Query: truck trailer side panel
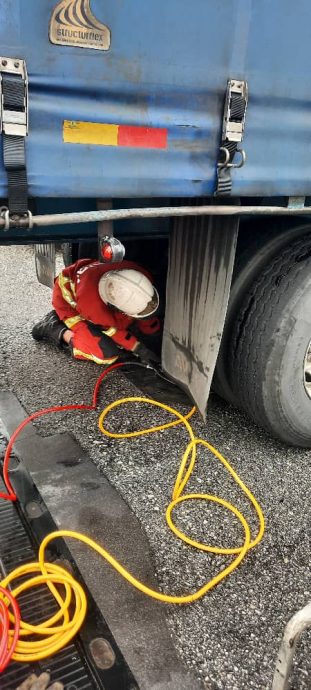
[166,70]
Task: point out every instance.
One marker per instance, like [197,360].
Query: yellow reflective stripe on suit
[111,332]
[93,358]
[66,293]
[70,323]
[73,288]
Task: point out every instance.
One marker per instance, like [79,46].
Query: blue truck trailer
[188,123]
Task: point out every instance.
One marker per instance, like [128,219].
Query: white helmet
[129,291]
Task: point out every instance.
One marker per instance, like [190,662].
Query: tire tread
[258,321]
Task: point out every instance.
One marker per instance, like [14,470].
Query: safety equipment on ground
[54,635]
[146,355]
[39,683]
[50,328]
[129,291]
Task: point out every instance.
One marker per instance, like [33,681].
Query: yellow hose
[60,629]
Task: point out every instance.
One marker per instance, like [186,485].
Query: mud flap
[202,252]
[45,257]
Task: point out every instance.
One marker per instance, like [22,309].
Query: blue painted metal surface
[168,66]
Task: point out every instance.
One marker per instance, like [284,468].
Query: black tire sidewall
[265,241]
[286,403]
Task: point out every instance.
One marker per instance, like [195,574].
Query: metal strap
[233,128]
[14,123]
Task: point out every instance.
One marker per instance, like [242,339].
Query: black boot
[50,328]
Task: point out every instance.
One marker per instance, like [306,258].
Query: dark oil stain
[91,486]
[70,462]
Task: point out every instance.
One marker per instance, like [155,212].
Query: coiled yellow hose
[50,637]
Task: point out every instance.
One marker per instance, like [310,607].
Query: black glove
[41,683]
[146,355]
[152,342]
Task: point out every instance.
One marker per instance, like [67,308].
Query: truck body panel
[129,106]
[167,68]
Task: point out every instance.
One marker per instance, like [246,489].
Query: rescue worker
[102,309]
[41,683]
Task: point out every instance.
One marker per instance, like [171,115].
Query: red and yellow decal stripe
[98,134]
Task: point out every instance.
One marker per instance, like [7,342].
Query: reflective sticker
[143,137]
[114,135]
[73,24]
[90,133]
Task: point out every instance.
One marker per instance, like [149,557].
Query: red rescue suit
[99,331]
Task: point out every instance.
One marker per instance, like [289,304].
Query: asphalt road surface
[231,637]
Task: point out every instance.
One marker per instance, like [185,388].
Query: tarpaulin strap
[224,182]
[233,128]
[14,128]
[14,157]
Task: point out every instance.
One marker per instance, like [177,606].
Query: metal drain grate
[16,549]
[74,666]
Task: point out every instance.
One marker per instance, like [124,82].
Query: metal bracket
[232,134]
[13,221]
[226,163]
[14,122]
[234,122]
[296,202]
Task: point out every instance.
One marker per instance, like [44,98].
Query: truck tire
[269,344]
[258,244]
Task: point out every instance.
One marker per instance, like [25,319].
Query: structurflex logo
[73,24]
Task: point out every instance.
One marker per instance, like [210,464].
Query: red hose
[11,496]
[7,649]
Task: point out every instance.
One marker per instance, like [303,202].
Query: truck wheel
[258,244]
[270,349]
